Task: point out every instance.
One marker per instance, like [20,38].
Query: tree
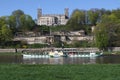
[101,37]
[77,20]
[12,23]
[45,30]
[0,36]
[94,15]
[112,23]
[17,13]
[107,32]
[20,21]
[6,33]
[116,13]
[2,21]
[26,23]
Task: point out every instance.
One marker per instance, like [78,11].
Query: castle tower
[39,14]
[66,11]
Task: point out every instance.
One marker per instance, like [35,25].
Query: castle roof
[52,15]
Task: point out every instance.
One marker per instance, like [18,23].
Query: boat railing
[64,50]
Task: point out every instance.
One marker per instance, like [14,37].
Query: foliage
[17,13]
[37,45]
[12,44]
[58,28]
[18,21]
[78,44]
[77,20]
[57,44]
[116,13]
[85,44]
[12,23]
[94,16]
[26,23]
[45,30]
[101,37]
[2,21]
[107,32]
[6,33]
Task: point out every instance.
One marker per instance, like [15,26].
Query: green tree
[107,32]
[0,36]
[45,30]
[20,21]
[17,13]
[26,23]
[112,23]
[2,21]
[6,33]
[12,23]
[101,37]
[77,20]
[94,15]
[116,13]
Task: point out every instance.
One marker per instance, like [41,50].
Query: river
[18,59]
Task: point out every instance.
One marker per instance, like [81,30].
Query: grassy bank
[10,53]
[59,72]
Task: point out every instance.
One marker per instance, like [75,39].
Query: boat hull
[57,56]
[35,56]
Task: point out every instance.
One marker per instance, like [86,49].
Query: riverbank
[60,72]
[10,53]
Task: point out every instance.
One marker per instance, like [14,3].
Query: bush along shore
[60,72]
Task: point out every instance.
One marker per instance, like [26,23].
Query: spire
[66,12]
[39,13]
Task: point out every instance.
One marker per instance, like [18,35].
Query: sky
[54,6]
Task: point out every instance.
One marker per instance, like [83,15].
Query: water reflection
[75,60]
[109,59]
[19,59]
[60,60]
[11,59]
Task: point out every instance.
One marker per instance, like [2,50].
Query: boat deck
[67,52]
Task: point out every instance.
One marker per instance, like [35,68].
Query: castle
[52,19]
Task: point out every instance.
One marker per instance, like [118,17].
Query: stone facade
[68,37]
[36,40]
[52,19]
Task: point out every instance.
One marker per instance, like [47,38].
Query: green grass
[59,72]
[10,53]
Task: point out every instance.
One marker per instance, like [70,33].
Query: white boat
[91,54]
[56,54]
[59,53]
[50,54]
[35,56]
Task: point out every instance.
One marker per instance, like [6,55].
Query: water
[109,59]
[11,59]
[61,60]
[112,59]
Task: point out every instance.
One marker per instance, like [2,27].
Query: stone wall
[33,40]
